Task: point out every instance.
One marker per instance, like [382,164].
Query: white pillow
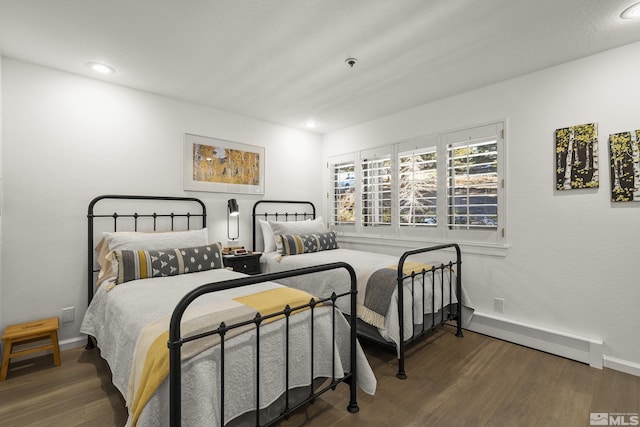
[298,227]
[295,227]
[268,239]
[155,241]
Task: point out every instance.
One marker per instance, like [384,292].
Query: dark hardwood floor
[473,381]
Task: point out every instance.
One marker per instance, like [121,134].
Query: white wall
[1,185]
[574,261]
[67,139]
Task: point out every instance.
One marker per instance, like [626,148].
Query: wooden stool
[27,332]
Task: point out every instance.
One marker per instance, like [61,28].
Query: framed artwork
[217,165]
[625,167]
[577,157]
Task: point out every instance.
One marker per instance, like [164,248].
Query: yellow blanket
[411,266]
[150,364]
[274,300]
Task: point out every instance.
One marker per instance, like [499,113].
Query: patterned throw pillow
[142,264]
[293,244]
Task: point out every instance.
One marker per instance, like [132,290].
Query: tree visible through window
[344,193]
[418,187]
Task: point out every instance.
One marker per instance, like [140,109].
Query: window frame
[472,135]
[415,145]
[344,159]
[441,232]
[373,227]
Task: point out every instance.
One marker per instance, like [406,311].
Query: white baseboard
[73,343]
[583,349]
[622,365]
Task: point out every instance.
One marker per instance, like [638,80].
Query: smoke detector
[351,62]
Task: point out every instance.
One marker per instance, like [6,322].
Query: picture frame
[577,161]
[218,165]
[624,160]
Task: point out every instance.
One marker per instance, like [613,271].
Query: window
[343,183]
[376,190]
[446,187]
[474,206]
[418,188]
[472,185]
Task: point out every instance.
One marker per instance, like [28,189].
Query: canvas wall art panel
[625,168]
[577,157]
[211,164]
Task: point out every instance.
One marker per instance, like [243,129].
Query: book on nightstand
[234,250]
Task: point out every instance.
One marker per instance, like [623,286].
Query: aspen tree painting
[577,157]
[217,165]
[625,170]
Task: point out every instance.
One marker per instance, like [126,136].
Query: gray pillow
[140,264]
[294,244]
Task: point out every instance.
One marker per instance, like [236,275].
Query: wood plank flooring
[473,381]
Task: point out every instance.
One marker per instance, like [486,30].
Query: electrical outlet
[498,305]
[68,314]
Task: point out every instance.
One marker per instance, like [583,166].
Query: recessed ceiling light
[101,68]
[631,12]
[311,124]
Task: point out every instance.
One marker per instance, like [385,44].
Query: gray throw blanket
[380,287]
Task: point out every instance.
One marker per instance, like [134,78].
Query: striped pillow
[143,264]
[294,244]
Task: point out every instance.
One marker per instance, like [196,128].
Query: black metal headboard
[142,216]
[292,210]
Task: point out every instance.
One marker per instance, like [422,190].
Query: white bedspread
[364,264]
[116,317]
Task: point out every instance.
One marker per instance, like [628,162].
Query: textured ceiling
[283,61]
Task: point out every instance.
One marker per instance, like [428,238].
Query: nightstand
[247,263]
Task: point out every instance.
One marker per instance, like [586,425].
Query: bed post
[401,372]
[458,289]
[353,404]
[90,344]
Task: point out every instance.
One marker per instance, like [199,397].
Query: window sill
[498,250]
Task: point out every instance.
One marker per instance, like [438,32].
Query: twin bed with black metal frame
[430,293]
[228,360]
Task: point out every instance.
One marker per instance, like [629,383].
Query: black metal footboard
[176,341]
[439,315]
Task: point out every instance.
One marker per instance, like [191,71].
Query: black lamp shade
[232,204]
